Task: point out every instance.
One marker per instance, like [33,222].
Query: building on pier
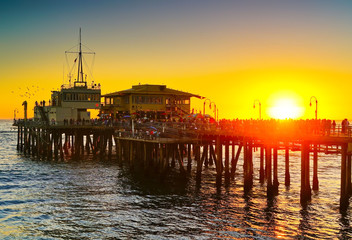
[73,100]
[153,101]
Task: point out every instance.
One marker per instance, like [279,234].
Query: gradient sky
[231,52]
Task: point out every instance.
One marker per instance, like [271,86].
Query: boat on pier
[73,101]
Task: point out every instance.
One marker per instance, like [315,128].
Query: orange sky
[229,52]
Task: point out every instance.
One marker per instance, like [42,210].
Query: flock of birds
[27,92]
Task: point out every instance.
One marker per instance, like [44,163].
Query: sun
[285,107]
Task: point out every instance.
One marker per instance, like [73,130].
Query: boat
[71,104]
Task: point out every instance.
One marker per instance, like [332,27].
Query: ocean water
[94,199]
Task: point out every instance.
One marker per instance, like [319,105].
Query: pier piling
[158,155]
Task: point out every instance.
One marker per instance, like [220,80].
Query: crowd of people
[324,127]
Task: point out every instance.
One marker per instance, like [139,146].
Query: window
[126,99]
[117,101]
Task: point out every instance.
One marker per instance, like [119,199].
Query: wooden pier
[202,147]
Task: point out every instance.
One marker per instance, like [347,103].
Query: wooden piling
[199,162]
[344,196]
[46,142]
[211,160]
[248,165]
[173,155]
[180,160]
[305,184]
[234,162]
[110,146]
[61,147]
[218,150]
[261,169]
[56,145]
[315,168]
[348,173]
[189,157]
[227,160]
[287,166]
[21,138]
[269,184]
[275,173]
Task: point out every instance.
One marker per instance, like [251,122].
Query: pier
[181,145]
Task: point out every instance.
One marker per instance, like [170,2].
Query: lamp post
[215,115]
[315,156]
[316,106]
[24,104]
[14,113]
[260,108]
[204,104]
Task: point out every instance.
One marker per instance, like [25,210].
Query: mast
[80,81]
[80,64]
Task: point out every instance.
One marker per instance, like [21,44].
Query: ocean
[95,199]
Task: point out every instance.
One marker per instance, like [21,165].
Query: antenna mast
[80,64]
[80,81]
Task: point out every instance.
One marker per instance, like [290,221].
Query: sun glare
[285,108]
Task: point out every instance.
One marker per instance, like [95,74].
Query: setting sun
[285,107]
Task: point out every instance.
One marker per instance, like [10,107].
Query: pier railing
[89,86]
[246,128]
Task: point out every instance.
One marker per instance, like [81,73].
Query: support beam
[305,184]
[248,165]
[189,159]
[344,196]
[287,166]
[234,162]
[261,170]
[275,172]
[180,160]
[315,168]
[269,183]
[227,160]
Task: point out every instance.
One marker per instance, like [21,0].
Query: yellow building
[151,101]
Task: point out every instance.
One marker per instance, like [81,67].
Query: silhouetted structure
[203,143]
[152,101]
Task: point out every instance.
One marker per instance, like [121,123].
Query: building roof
[148,89]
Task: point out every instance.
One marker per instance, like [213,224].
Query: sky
[235,53]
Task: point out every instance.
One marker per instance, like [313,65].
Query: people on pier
[333,127]
[344,125]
